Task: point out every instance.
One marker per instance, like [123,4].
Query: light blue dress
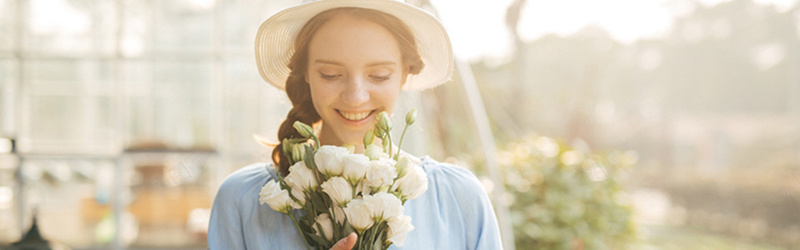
[454,213]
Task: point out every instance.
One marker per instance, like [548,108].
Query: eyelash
[380,78]
[334,77]
[329,77]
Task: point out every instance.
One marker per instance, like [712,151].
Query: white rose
[383,206]
[339,190]
[301,177]
[381,173]
[373,151]
[329,159]
[399,227]
[413,184]
[355,167]
[324,221]
[277,198]
[358,215]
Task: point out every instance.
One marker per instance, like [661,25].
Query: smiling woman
[352,68]
[343,64]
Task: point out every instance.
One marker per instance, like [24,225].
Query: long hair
[298,89]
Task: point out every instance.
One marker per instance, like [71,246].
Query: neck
[327,137]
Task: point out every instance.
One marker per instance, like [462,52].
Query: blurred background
[662,124]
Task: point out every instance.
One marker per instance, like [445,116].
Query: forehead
[352,40]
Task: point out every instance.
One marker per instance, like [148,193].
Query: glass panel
[9,82]
[70,77]
[255,107]
[8,11]
[169,104]
[173,27]
[69,108]
[70,27]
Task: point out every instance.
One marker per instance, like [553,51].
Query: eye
[380,78]
[329,77]
[380,75]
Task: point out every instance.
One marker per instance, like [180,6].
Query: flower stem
[298,229]
[389,136]
[358,242]
[402,136]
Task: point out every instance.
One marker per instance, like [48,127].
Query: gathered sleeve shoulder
[235,199]
[464,204]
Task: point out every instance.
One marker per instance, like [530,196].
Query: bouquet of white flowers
[340,192]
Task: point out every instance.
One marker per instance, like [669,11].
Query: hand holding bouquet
[340,192]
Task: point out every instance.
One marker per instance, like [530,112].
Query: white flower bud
[373,151]
[369,137]
[358,215]
[355,167]
[339,190]
[378,131]
[381,173]
[403,163]
[411,116]
[324,221]
[298,152]
[383,206]
[384,121]
[399,227]
[302,128]
[413,184]
[329,160]
[286,147]
[300,177]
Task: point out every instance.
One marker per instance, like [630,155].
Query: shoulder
[451,177]
[243,182]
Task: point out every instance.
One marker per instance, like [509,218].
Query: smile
[355,116]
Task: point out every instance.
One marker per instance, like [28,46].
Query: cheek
[321,96]
[387,96]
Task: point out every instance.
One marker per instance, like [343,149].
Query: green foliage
[565,198]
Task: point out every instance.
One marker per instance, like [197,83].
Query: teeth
[354,116]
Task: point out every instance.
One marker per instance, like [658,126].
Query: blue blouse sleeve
[226,230]
[463,188]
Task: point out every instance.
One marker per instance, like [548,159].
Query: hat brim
[275,40]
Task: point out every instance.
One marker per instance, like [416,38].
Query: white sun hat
[276,36]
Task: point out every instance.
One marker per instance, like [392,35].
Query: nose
[356,92]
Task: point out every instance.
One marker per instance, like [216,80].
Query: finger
[347,243]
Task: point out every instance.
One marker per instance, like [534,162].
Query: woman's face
[355,70]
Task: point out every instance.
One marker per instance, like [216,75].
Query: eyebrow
[380,63]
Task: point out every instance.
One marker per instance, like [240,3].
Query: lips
[355,116]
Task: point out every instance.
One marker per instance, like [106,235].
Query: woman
[341,62]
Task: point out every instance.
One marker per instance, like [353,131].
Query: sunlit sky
[477,27]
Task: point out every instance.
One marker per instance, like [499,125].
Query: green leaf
[318,202]
[347,229]
[319,240]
